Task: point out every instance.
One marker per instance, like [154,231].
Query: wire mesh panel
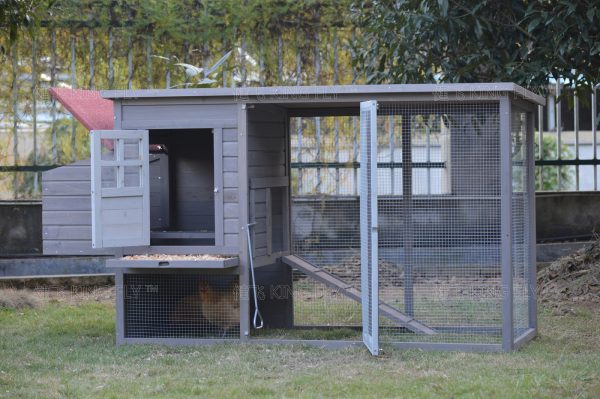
[181,305]
[520,221]
[442,240]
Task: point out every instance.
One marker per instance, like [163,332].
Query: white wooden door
[368,226]
[120,188]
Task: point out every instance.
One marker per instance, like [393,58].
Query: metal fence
[325,151]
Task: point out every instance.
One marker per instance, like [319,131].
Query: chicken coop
[390,215]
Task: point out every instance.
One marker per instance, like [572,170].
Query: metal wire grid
[444,247]
[316,305]
[181,306]
[520,221]
[439,237]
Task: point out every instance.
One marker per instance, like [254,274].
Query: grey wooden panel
[66,203]
[268,130]
[230,226]
[66,232]
[266,144]
[260,194]
[266,113]
[231,210]
[230,179]
[259,158]
[260,252]
[74,172]
[197,115]
[230,195]
[260,210]
[63,188]
[230,164]
[230,135]
[67,218]
[172,264]
[73,247]
[316,96]
[260,226]
[159,191]
[231,240]
[271,171]
[230,149]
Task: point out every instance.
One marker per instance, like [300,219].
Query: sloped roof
[87,106]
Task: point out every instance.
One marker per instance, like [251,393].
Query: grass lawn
[64,350]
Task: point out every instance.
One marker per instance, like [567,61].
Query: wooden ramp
[349,291]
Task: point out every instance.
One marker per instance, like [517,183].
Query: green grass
[61,351]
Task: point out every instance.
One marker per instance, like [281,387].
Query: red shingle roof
[93,111]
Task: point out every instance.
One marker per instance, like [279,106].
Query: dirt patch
[12,298]
[573,278]
[175,257]
[348,270]
[18,299]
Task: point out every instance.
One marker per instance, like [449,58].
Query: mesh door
[181,306]
[368,225]
[439,220]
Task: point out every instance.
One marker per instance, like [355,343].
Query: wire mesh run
[443,240]
[520,221]
[181,306]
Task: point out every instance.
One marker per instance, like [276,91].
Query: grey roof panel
[316,94]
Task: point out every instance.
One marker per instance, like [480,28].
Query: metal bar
[91,58]
[392,149]
[594,138]
[299,120]
[299,154]
[261,65]
[111,68]
[354,154]
[15,111]
[168,73]
[567,162]
[558,132]
[336,65]
[318,151]
[317,119]
[576,128]
[149,79]
[120,307]
[130,62]
[531,225]
[336,123]
[506,225]
[15,102]
[336,133]
[34,80]
[540,154]
[73,86]
[407,205]
[280,57]
[53,147]
[428,160]
[243,71]
[380,165]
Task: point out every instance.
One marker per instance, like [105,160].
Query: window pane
[107,149]
[109,176]
[131,149]
[132,176]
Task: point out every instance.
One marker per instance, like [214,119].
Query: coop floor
[64,347]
